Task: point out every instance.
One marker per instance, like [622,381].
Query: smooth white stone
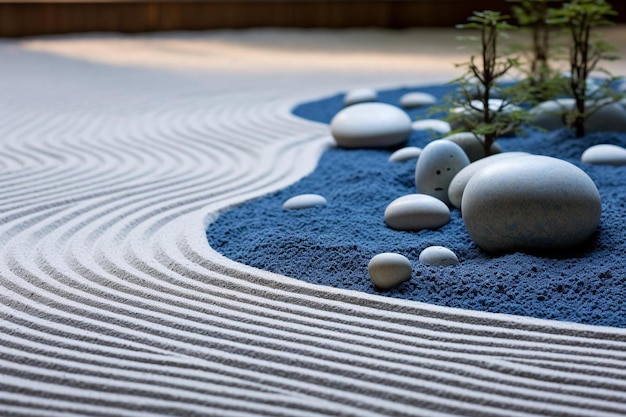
[360,95]
[370,125]
[460,180]
[439,162]
[416,212]
[439,126]
[495,105]
[387,270]
[405,154]
[604,155]
[530,203]
[410,100]
[438,256]
[473,147]
[549,116]
[304,201]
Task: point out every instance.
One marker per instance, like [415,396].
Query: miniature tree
[543,82]
[486,118]
[580,17]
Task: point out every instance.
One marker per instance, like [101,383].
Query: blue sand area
[332,245]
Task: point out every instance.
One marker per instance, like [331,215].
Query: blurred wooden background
[37,17]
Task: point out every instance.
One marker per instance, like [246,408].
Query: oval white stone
[438,256]
[495,105]
[549,116]
[460,180]
[439,126]
[439,162]
[530,203]
[604,155]
[370,125]
[405,154]
[304,201]
[387,270]
[359,95]
[472,147]
[416,212]
[417,99]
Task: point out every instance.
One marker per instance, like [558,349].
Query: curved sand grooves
[112,302]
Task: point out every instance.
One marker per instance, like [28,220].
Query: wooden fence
[25,18]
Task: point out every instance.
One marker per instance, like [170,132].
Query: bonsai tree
[544,82]
[477,110]
[580,17]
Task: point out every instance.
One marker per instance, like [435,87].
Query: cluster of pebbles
[509,201]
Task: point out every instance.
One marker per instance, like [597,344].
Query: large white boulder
[530,203]
[460,180]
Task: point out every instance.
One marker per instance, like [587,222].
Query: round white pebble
[387,270]
[370,125]
[416,212]
[438,256]
[439,126]
[303,201]
[416,99]
[360,95]
[604,155]
[405,154]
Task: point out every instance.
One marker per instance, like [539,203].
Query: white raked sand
[117,151]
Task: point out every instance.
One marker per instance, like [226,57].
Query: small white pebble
[304,201]
[360,95]
[387,270]
[417,99]
[439,126]
[604,155]
[438,256]
[405,154]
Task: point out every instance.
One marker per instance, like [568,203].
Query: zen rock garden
[509,201]
[460,195]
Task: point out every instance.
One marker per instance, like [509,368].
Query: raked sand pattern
[113,304]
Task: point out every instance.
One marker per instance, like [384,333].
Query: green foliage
[542,81]
[487,119]
[579,18]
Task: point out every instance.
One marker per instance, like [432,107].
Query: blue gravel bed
[332,245]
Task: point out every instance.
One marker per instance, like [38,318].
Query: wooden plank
[38,17]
